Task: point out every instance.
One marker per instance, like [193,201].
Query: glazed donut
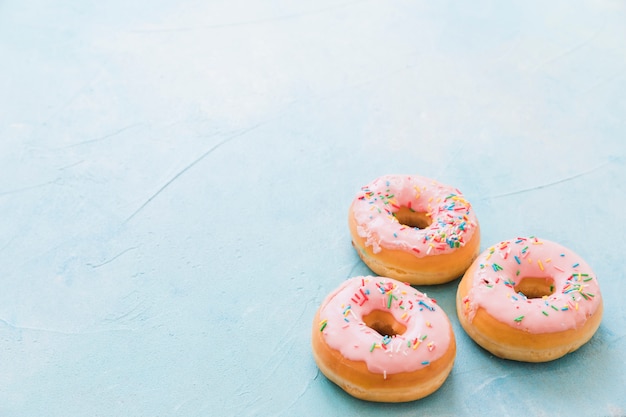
[414,229]
[382,340]
[530,300]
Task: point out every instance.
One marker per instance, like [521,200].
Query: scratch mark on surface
[488,382]
[112,259]
[182,404]
[189,166]
[302,393]
[28,188]
[568,51]
[56,331]
[453,158]
[604,81]
[271,19]
[63,168]
[101,138]
[510,47]
[78,93]
[357,263]
[136,312]
[359,84]
[549,184]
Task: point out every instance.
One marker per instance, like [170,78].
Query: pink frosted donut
[529,299]
[382,340]
[414,229]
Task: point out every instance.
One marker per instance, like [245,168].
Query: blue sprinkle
[431,308]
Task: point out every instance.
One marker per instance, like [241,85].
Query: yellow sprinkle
[404,315]
[540,265]
[416,345]
[548,260]
[323,324]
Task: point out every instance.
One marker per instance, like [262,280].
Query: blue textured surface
[176,178]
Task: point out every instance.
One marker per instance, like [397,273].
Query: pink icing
[427,335]
[576,293]
[453,220]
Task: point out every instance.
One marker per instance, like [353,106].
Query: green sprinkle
[544,313]
[324,324]
[518,319]
[554,307]
[373,346]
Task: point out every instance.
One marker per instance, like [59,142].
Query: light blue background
[176,175]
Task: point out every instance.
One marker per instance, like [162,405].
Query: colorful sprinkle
[431,308]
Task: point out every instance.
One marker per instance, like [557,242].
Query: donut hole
[412,218]
[384,323]
[533,287]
